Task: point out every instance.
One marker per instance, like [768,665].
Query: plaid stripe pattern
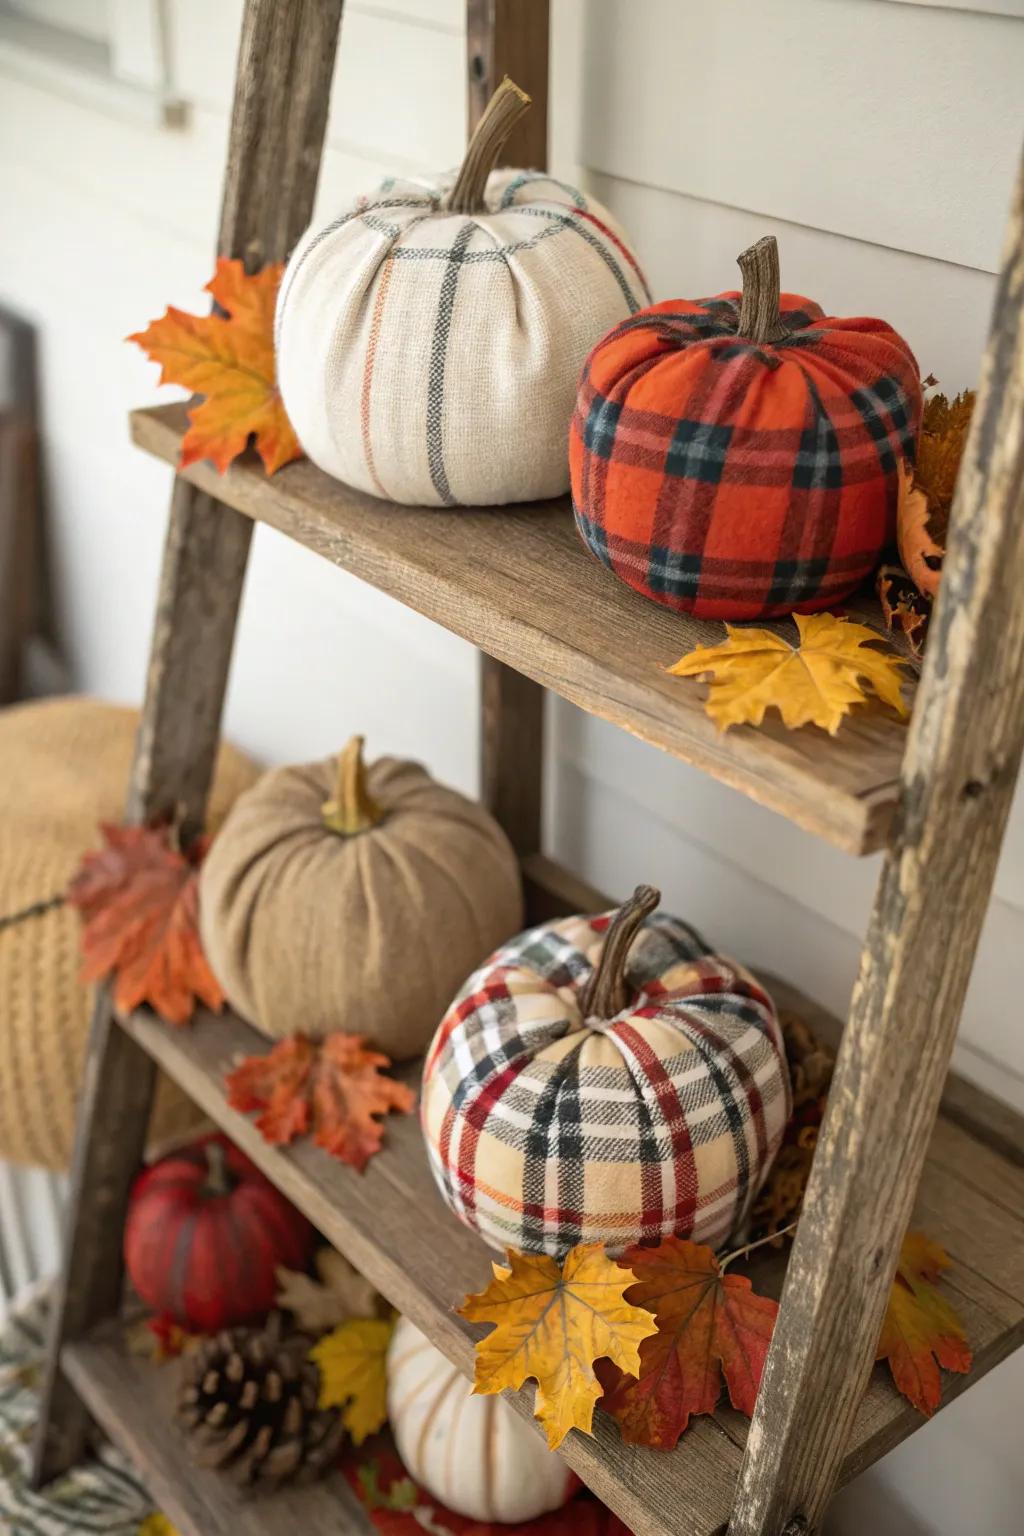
[732,481]
[431,357]
[545,1129]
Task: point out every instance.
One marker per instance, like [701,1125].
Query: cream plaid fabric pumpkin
[430,356]
[558,1110]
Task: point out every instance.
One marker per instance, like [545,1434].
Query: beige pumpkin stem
[503,111]
[353,808]
[760,320]
[606,993]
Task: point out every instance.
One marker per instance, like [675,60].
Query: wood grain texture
[963,754]
[113,1117]
[133,1401]
[511,37]
[390,1222]
[512,751]
[989,1121]
[280,110]
[205,556]
[518,583]
[278,120]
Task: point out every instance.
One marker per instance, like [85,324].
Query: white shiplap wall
[876,138]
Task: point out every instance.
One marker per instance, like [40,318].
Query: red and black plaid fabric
[731,480]
[545,1128]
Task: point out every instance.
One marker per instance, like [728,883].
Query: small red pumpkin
[736,457]
[205,1234]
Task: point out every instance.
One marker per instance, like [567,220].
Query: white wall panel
[689,248]
[888,123]
[982,7]
[398,87]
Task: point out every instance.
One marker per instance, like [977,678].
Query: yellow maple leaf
[229,359]
[352,1360]
[157,1524]
[815,682]
[551,1322]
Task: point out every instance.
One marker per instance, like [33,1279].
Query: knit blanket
[101,1495]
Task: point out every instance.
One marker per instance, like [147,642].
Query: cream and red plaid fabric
[545,1130]
[734,481]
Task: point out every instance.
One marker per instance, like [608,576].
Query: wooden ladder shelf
[936,795]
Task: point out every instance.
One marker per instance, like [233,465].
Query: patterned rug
[101,1496]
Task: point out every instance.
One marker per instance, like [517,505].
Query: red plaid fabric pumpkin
[736,457]
[558,1109]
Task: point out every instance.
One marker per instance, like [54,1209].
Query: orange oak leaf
[332,1087]
[921,1330]
[709,1324]
[138,897]
[229,359]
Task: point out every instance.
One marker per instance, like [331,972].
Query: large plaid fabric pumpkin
[549,1124]
[737,457]
[429,339]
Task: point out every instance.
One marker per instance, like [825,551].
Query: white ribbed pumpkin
[474,1454]
[429,340]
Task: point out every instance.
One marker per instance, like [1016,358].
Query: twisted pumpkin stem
[760,321]
[502,113]
[353,808]
[607,993]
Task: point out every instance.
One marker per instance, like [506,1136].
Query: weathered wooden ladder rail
[959,767]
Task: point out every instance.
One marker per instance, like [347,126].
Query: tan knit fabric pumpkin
[430,338]
[65,768]
[352,898]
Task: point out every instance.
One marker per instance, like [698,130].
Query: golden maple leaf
[352,1360]
[157,1524]
[815,682]
[229,359]
[551,1322]
[921,1330]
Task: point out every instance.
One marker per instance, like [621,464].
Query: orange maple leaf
[921,1330]
[230,360]
[333,1087]
[139,901]
[710,1325]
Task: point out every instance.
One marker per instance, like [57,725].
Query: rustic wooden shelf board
[132,1401]
[393,1226]
[517,582]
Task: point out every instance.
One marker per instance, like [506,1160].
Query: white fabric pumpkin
[431,356]
[474,1454]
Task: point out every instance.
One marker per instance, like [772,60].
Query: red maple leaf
[710,1325]
[139,901]
[397,1507]
[332,1087]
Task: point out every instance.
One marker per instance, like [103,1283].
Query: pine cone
[248,1399]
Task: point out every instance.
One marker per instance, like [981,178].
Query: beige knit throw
[65,766]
